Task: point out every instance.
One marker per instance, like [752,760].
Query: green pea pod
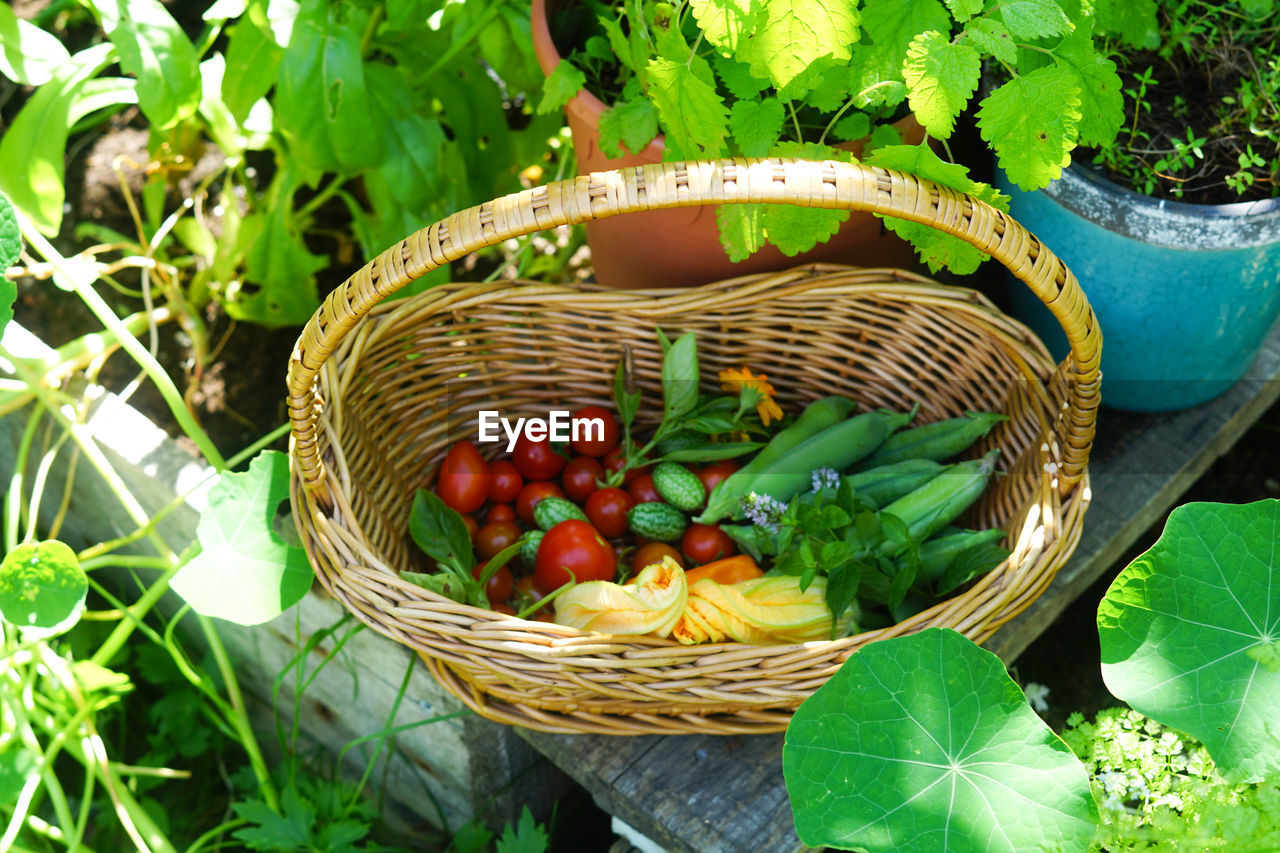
[939,553]
[939,440]
[940,501]
[817,416]
[885,484]
[835,447]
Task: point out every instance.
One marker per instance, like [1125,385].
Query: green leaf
[963,10]
[794,33]
[279,264]
[725,22]
[633,123]
[526,837]
[1101,101]
[245,573]
[990,36]
[10,247]
[272,831]
[741,233]
[253,61]
[737,77]
[565,81]
[692,112]
[439,530]
[852,127]
[322,104]
[756,125]
[1031,122]
[1029,19]
[941,76]
[154,48]
[680,377]
[923,742]
[890,26]
[17,765]
[1178,625]
[37,138]
[42,586]
[414,164]
[796,229]
[29,56]
[970,563]
[627,402]
[1133,21]
[224,10]
[94,677]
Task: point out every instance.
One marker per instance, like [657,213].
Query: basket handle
[600,195]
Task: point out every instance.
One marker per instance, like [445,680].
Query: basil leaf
[440,531]
[970,563]
[628,402]
[680,377]
[842,587]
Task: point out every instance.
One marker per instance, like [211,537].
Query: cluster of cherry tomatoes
[497,498]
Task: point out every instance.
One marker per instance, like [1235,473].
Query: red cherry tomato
[579,477]
[529,496]
[495,536]
[499,587]
[613,463]
[500,512]
[703,543]
[505,481]
[575,547]
[647,555]
[715,473]
[472,526]
[536,460]
[642,490]
[505,609]
[464,478]
[607,511]
[594,431]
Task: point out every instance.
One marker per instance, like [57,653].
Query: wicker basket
[373,407]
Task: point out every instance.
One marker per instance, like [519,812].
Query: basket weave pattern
[374,406]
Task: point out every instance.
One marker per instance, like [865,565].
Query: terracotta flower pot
[681,247]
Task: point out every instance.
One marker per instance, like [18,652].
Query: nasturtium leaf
[941,77]
[29,56]
[17,765]
[756,125]
[890,25]
[245,573]
[990,36]
[725,22]
[632,123]
[565,81]
[791,34]
[1101,101]
[154,48]
[692,112]
[1188,632]
[1132,21]
[741,234]
[1031,122]
[1028,19]
[923,743]
[42,586]
[10,247]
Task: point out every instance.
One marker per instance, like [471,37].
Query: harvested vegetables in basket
[844,518]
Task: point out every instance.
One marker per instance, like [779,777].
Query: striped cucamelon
[817,416]
[552,510]
[679,486]
[529,547]
[657,521]
[939,440]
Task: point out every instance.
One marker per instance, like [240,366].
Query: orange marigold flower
[735,379]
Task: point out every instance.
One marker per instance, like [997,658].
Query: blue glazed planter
[1185,294]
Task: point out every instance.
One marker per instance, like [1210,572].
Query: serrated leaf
[37,139]
[1029,19]
[923,742]
[990,36]
[693,114]
[526,837]
[565,81]
[245,573]
[42,586]
[756,125]
[796,229]
[253,61]
[154,49]
[1132,21]
[1178,624]
[1031,122]
[792,34]
[633,123]
[741,233]
[963,10]
[1101,100]
[852,127]
[824,85]
[29,56]
[941,77]
[725,22]
[10,248]
[890,25]
[737,78]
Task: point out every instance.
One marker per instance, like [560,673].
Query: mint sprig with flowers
[698,420]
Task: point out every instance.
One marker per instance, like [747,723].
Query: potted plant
[644,81]
[1174,228]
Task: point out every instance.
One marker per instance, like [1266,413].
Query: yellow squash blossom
[761,610]
[651,604]
[735,379]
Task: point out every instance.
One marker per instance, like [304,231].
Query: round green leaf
[42,586]
[923,742]
[1190,632]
